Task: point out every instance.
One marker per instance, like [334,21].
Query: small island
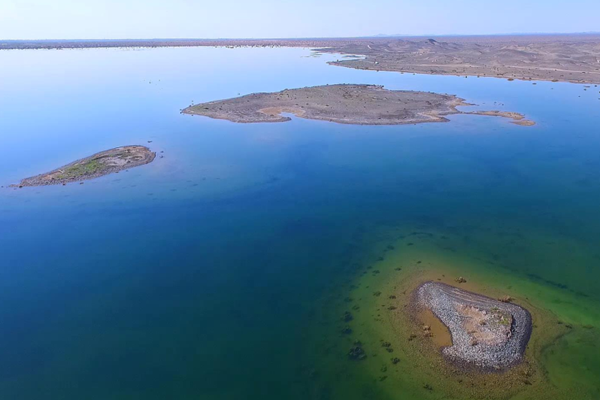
[95,166]
[487,334]
[345,104]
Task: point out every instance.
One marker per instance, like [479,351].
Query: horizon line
[376,36]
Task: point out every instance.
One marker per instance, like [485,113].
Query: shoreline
[465,74]
[555,57]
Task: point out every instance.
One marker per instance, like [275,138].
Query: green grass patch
[88,168]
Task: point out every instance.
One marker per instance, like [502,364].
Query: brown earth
[346,104]
[565,59]
[97,165]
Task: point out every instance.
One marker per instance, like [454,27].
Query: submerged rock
[506,299]
[347,316]
[356,352]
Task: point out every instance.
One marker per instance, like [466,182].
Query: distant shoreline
[556,58]
[33,44]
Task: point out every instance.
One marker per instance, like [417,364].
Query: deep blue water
[197,276]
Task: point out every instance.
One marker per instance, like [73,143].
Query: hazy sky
[111,19]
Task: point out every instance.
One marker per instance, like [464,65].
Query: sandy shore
[486,334]
[345,104]
[95,166]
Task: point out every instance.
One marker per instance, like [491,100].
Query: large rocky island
[346,104]
[486,334]
[97,165]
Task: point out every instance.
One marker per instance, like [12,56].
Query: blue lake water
[202,274]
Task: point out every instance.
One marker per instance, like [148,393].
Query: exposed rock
[505,299]
[345,104]
[95,166]
[486,333]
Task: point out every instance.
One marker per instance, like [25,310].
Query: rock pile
[486,333]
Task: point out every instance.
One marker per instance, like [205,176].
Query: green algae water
[224,269]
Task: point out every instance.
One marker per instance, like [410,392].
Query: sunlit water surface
[210,273]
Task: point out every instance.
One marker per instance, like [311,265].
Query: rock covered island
[95,166]
[487,334]
[344,103]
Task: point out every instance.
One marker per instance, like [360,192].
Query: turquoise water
[210,272]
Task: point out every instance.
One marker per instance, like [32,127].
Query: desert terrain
[561,58]
[346,104]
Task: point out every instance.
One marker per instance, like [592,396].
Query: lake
[223,269]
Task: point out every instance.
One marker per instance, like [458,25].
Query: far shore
[556,58]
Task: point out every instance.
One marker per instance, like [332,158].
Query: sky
[139,19]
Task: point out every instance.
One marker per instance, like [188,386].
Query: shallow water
[219,271]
